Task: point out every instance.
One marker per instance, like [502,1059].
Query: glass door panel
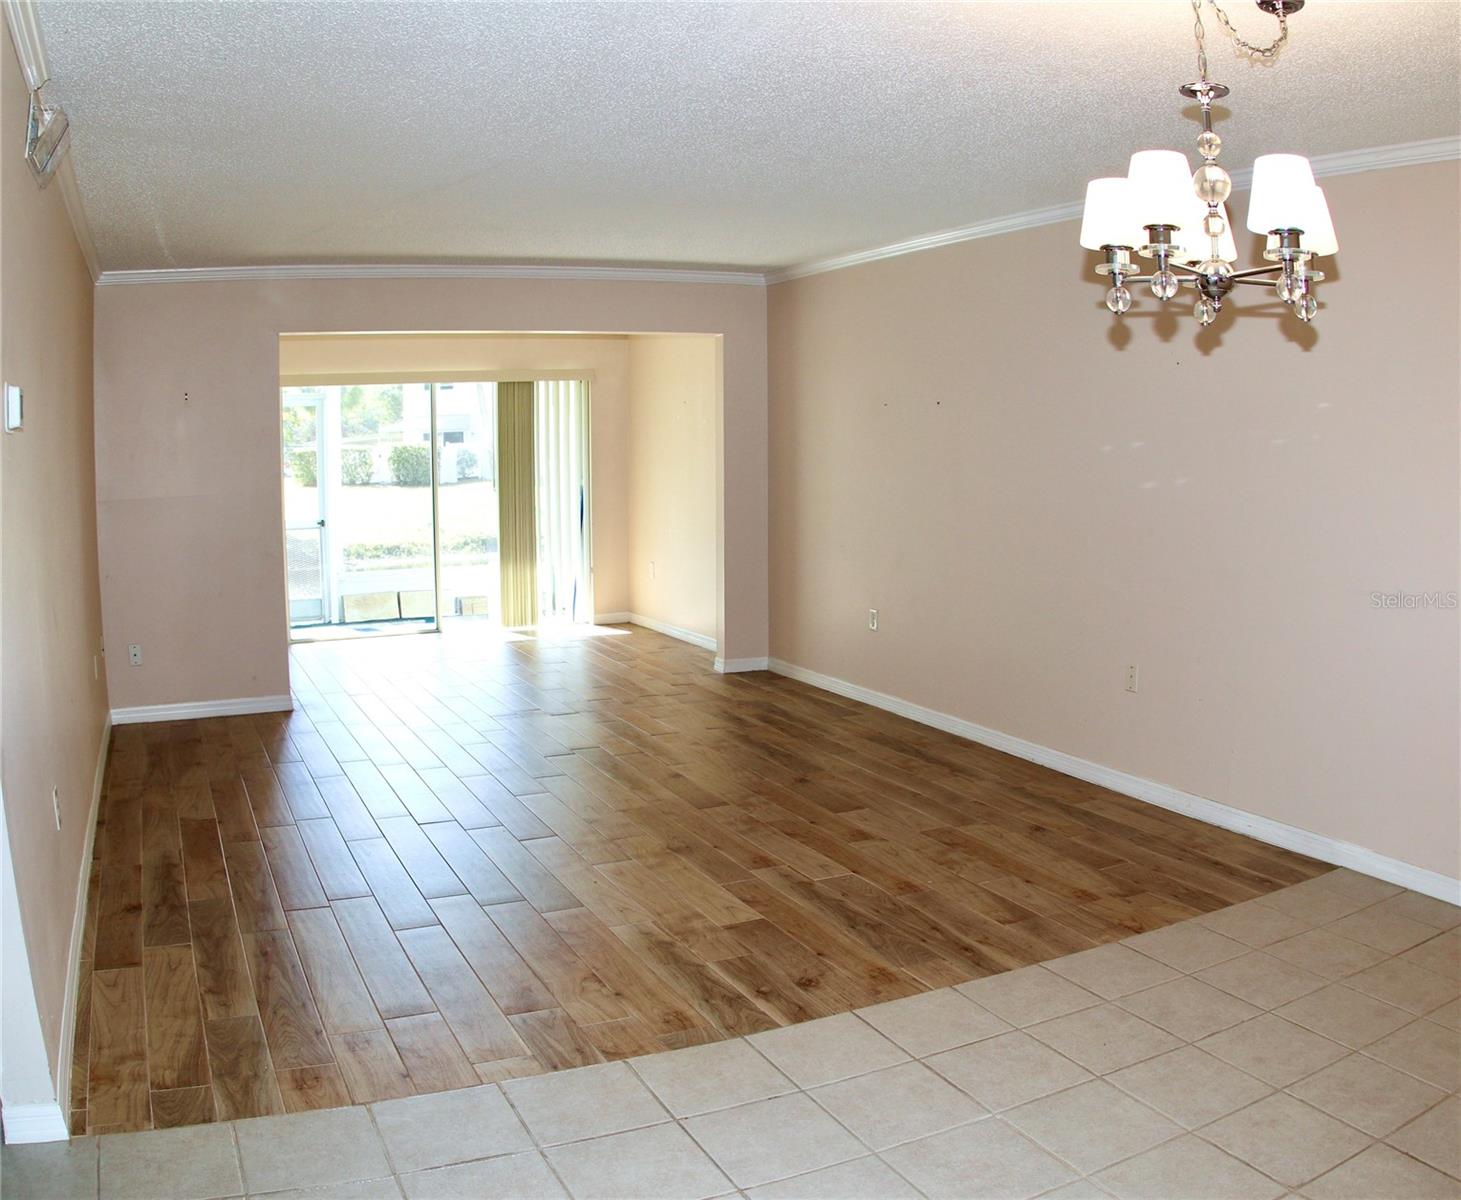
[303,507]
[379,526]
[466,425]
[360,547]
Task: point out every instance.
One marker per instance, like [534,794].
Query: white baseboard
[78,926]
[731,666]
[196,709]
[704,641]
[1264,829]
[35,1123]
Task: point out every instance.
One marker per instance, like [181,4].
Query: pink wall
[1035,496]
[53,701]
[187,449]
[672,506]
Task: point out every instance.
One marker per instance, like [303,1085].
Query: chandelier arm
[1264,283]
[1255,271]
[1176,266]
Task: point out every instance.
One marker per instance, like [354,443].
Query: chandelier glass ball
[1165,284]
[1212,184]
[1164,211]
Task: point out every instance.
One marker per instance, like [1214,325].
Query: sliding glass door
[394,505]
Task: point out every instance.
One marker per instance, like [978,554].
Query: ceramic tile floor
[1308,1044]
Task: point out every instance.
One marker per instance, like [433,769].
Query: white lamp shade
[1318,225]
[1108,220]
[1318,237]
[1194,246]
[1161,187]
[1282,184]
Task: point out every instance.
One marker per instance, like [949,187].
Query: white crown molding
[20,16]
[1344,163]
[193,710]
[1379,158]
[1031,219]
[1347,162]
[1264,829]
[432,271]
[65,179]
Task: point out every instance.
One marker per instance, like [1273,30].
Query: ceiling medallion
[1180,219]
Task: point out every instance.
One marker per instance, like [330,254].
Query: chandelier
[1179,219]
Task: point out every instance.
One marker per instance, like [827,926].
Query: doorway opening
[409,504]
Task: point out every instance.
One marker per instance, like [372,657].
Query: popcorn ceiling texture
[750,135]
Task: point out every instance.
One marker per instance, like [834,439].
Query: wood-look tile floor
[470,857]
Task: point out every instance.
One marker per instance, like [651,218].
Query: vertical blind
[561,470]
[517,531]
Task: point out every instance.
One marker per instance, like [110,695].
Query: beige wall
[604,360]
[52,704]
[1035,496]
[672,457]
[187,449]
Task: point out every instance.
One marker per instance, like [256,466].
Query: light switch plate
[14,408]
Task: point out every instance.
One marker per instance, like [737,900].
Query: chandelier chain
[1269,51]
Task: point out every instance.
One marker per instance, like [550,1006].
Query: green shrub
[370,551]
[357,467]
[466,465]
[411,466]
[474,543]
[305,468]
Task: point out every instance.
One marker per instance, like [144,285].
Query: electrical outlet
[14,409]
[651,568]
[1131,678]
[56,806]
[134,654]
[872,619]
[96,666]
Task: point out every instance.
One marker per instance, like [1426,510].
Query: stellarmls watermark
[1437,600]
